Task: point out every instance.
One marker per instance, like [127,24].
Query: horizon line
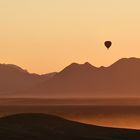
[69,65]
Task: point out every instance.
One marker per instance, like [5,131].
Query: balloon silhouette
[108,44]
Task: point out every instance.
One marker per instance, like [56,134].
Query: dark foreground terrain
[48,127]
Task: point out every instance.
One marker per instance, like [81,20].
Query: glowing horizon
[45,36]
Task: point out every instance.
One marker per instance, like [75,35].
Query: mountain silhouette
[13,78]
[49,127]
[120,79]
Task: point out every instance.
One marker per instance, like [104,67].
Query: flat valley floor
[120,113]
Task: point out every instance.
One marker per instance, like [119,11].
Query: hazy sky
[47,35]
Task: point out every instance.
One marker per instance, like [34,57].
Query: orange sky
[47,35]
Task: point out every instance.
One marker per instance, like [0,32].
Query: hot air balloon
[108,44]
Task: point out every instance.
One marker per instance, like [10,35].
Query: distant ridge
[13,78]
[120,79]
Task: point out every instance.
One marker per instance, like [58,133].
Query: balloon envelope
[108,44]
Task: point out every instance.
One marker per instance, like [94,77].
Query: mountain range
[121,79]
